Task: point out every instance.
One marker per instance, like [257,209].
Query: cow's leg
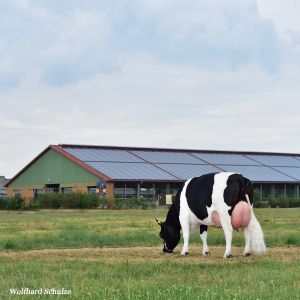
[203,236]
[247,236]
[186,235]
[228,230]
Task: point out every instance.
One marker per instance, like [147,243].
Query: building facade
[154,173]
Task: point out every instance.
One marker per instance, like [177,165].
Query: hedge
[88,201]
[74,200]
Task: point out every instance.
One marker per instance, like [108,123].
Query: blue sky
[203,74]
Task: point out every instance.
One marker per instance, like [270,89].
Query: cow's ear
[159,222]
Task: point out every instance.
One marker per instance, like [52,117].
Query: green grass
[117,255]
[261,279]
[75,229]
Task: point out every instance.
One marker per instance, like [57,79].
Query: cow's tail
[257,241]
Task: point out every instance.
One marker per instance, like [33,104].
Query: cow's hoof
[247,254]
[228,256]
[206,253]
[184,253]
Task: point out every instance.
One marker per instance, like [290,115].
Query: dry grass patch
[153,254]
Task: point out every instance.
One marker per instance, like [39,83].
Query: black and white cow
[195,203]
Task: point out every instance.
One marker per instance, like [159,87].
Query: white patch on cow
[203,237]
[222,208]
[185,218]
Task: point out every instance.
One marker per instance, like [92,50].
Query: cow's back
[199,194]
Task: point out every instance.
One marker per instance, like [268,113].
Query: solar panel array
[172,165]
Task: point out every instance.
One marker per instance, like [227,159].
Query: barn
[156,173]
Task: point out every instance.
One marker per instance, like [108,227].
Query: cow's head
[170,236]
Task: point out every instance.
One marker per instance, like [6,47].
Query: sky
[194,74]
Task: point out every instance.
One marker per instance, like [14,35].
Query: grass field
[117,255]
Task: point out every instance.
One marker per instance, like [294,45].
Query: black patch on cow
[198,194]
[236,190]
[203,228]
[170,229]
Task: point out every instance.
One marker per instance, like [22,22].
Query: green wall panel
[53,168]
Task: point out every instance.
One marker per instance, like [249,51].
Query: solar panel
[93,154]
[120,164]
[167,157]
[276,160]
[225,159]
[131,171]
[186,171]
[293,172]
[259,173]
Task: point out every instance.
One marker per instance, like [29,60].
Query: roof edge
[178,150]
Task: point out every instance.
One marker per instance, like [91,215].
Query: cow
[213,199]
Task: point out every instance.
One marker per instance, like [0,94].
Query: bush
[294,202]
[256,195]
[16,202]
[72,200]
[261,204]
[4,203]
[279,202]
[120,203]
[80,200]
[48,201]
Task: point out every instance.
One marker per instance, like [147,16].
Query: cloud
[67,41]
[199,74]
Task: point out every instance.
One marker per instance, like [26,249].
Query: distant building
[149,172]
[3,182]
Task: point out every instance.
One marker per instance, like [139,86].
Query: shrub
[33,204]
[279,202]
[294,202]
[103,203]
[261,204]
[80,200]
[16,202]
[256,195]
[72,200]
[120,203]
[12,203]
[48,200]
[4,203]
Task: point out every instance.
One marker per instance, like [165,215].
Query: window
[279,190]
[37,192]
[291,191]
[125,190]
[52,188]
[92,190]
[266,191]
[66,190]
[17,193]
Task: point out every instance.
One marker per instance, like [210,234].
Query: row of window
[265,191]
[272,191]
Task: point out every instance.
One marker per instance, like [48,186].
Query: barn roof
[114,163]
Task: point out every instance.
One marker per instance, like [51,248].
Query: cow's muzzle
[165,249]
